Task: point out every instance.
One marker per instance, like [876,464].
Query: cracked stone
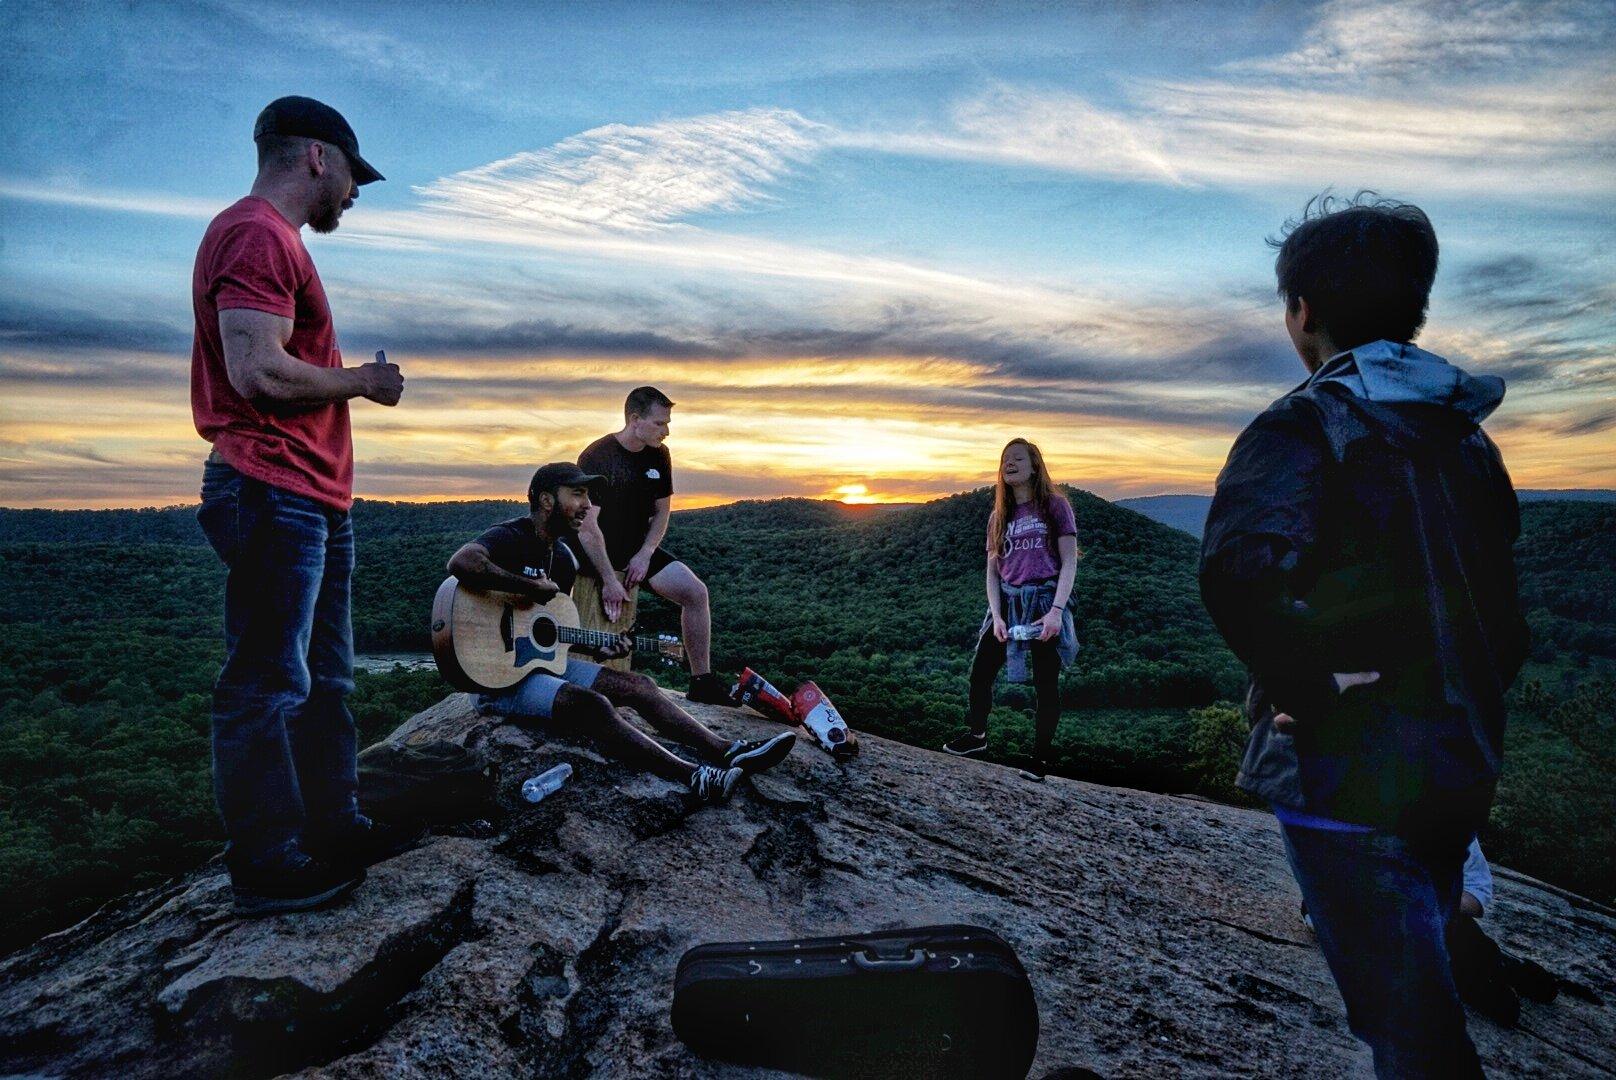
[1160,933]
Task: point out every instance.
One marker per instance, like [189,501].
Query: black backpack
[433,783]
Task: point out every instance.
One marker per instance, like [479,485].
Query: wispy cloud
[161,204]
[1357,39]
[1017,125]
[633,178]
[1552,138]
[377,52]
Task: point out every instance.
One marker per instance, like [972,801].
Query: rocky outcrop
[1161,933]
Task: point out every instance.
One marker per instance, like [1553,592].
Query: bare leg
[589,713]
[678,584]
[639,693]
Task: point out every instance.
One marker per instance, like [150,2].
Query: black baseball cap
[559,474]
[314,120]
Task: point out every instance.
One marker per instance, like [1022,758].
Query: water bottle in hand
[1025,632]
[546,783]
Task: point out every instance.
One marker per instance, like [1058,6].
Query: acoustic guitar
[485,641]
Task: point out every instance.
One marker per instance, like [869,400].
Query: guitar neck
[601,639]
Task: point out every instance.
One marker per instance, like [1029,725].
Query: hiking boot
[759,755]
[299,884]
[711,784]
[1493,998]
[1531,980]
[967,744]
[709,689]
[365,843]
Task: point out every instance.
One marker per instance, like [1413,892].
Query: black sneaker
[711,784]
[1035,769]
[1530,979]
[709,689]
[365,844]
[967,744]
[300,884]
[759,755]
[1493,998]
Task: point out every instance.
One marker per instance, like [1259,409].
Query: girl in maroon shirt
[1031,562]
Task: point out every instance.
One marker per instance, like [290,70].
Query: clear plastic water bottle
[546,783]
[1025,632]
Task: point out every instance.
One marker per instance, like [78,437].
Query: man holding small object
[269,390]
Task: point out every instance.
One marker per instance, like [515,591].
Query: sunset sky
[860,245]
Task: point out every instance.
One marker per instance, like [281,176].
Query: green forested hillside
[111,629]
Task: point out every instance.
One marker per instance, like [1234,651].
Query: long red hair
[1004,499]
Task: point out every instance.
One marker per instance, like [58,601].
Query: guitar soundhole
[543,633]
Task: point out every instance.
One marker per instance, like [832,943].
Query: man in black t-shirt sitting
[626,531]
[535,557]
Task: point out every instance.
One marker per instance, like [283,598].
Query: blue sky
[859,244]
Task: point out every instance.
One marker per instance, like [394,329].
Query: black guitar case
[937,1001]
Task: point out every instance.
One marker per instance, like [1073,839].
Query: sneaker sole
[702,699]
[251,906]
[965,753]
[766,756]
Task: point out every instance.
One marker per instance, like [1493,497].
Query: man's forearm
[657,531]
[1271,633]
[286,380]
[594,544]
[482,574]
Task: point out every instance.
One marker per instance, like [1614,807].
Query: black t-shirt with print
[635,480]
[516,547]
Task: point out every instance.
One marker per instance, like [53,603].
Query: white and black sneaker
[759,755]
[711,784]
[966,744]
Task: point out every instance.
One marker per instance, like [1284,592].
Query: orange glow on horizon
[886,430]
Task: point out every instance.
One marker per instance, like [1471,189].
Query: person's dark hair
[642,399]
[1364,265]
[280,150]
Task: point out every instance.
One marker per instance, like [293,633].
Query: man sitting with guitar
[533,560]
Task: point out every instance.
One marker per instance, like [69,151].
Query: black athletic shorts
[660,559]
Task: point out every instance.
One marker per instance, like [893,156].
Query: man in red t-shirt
[270,392]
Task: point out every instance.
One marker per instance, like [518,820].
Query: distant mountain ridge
[1188,512]
[380,518]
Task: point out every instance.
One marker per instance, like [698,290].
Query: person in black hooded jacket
[1358,559]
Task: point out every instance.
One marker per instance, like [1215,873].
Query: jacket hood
[1392,372]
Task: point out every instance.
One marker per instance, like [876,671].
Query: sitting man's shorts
[535,695]
[661,559]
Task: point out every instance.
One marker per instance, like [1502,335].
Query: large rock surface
[1161,933]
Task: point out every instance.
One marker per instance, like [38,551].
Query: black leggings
[1046,667]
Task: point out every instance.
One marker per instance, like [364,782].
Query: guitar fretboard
[601,639]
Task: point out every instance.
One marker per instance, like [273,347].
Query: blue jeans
[1381,910]
[283,740]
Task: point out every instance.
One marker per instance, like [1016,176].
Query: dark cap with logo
[559,474]
[314,120]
